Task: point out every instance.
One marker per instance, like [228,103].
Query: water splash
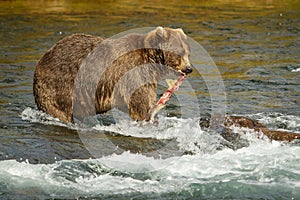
[268,169]
[185,134]
[36,116]
[133,174]
[278,121]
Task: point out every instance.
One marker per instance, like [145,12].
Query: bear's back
[56,71]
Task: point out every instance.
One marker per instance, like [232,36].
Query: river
[256,48]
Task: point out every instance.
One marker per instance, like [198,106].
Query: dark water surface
[256,46]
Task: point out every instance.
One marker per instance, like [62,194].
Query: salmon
[173,85]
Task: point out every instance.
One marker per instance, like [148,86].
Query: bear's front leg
[141,102]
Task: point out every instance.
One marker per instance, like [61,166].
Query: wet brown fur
[57,71]
[55,74]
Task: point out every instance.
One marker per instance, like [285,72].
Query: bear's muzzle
[187,70]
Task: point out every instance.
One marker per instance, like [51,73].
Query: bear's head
[173,47]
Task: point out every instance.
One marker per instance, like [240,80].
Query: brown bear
[89,75]
[123,72]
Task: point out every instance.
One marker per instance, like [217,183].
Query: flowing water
[256,46]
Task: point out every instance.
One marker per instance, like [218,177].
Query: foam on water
[187,132]
[37,116]
[264,169]
[271,165]
[296,70]
[278,121]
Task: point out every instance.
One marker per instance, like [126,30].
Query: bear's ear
[181,31]
[155,37]
[160,32]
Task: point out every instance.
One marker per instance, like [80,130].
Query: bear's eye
[175,62]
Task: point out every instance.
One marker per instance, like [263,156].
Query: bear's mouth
[180,72]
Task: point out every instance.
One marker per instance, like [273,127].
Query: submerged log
[244,122]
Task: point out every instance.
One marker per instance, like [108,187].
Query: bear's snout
[188,70]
